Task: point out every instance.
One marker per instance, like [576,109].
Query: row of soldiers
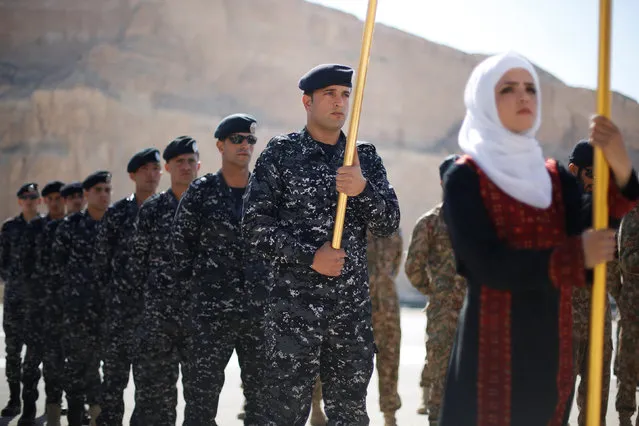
[231,261]
[430,266]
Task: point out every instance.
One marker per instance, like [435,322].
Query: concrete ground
[412,361]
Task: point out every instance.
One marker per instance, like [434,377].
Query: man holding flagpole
[319,321]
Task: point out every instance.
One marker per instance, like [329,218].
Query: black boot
[13,406]
[28,414]
[75,413]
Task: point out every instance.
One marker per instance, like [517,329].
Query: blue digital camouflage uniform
[122,297]
[316,325]
[227,296]
[164,331]
[72,256]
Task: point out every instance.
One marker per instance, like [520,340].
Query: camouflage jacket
[33,274]
[11,235]
[45,268]
[430,262]
[112,260]
[165,298]
[289,213]
[210,253]
[628,242]
[72,257]
[384,257]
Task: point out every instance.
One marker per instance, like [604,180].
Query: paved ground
[412,358]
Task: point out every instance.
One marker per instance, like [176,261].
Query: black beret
[235,123]
[326,75]
[52,188]
[582,154]
[30,187]
[445,165]
[96,178]
[178,146]
[146,156]
[71,188]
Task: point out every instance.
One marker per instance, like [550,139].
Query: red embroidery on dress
[522,226]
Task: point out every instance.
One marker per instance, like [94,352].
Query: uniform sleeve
[378,202]
[484,259]
[5,252]
[61,250]
[394,247]
[103,252]
[26,257]
[416,259]
[629,242]
[141,245]
[185,237]
[260,224]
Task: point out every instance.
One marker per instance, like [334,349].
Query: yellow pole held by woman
[600,219]
[358,96]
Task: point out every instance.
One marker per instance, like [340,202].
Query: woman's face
[516,100]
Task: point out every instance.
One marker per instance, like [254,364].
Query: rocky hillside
[85,83]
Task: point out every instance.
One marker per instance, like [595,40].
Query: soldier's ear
[166,166]
[220,146]
[307,101]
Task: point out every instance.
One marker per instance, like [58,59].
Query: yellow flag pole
[357,98]
[600,219]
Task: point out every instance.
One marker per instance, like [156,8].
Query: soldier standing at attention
[430,267]
[73,197]
[122,295]
[11,235]
[581,166]
[33,276]
[628,302]
[384,257]
[211,254]
[164,329]
[72,257]
[319,317]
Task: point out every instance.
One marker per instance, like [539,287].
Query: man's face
[55,204]
[584,175]
[183,169]
[29,203]
[99,196]
[74,202]
[147,177]
[327,108]
[237,149]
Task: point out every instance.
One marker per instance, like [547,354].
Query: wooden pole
[358,96]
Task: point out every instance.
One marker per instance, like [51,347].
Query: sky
[560,36]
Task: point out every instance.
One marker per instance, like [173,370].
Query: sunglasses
[238,139]
[588,172]
[29,197]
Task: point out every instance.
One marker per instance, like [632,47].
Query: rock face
[86,83]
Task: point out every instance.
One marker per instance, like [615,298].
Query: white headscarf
[514,162]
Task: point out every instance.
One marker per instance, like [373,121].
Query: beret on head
[326,75]
[27,188]
[445,165]
[52,188]
[178,146]
[582,154]
[71,188]
[141,158]
[101,176]
[235,123]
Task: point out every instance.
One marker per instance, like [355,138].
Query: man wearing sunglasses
[35,300]
[226,279]
[581,166]
[11,235]
[319,317]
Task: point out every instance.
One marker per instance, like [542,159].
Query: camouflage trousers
[120,351]
[13,325]
[441,326]
[628,374]
[580,350]
[165,349]
[214,339]
[53,355]
[387,333]
[307,340]
[82,366]
[36,347]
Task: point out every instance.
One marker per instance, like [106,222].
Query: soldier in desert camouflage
[430,267]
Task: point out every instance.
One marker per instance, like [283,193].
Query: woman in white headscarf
[515,224]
